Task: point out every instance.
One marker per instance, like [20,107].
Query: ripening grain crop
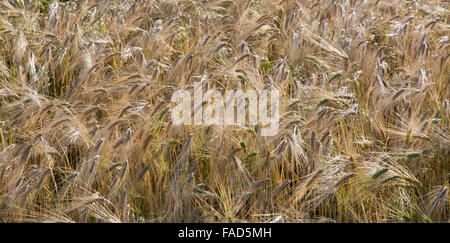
[85,111]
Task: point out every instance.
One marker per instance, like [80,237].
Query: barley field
[85,111]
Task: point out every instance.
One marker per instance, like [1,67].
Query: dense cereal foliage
[85,111]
